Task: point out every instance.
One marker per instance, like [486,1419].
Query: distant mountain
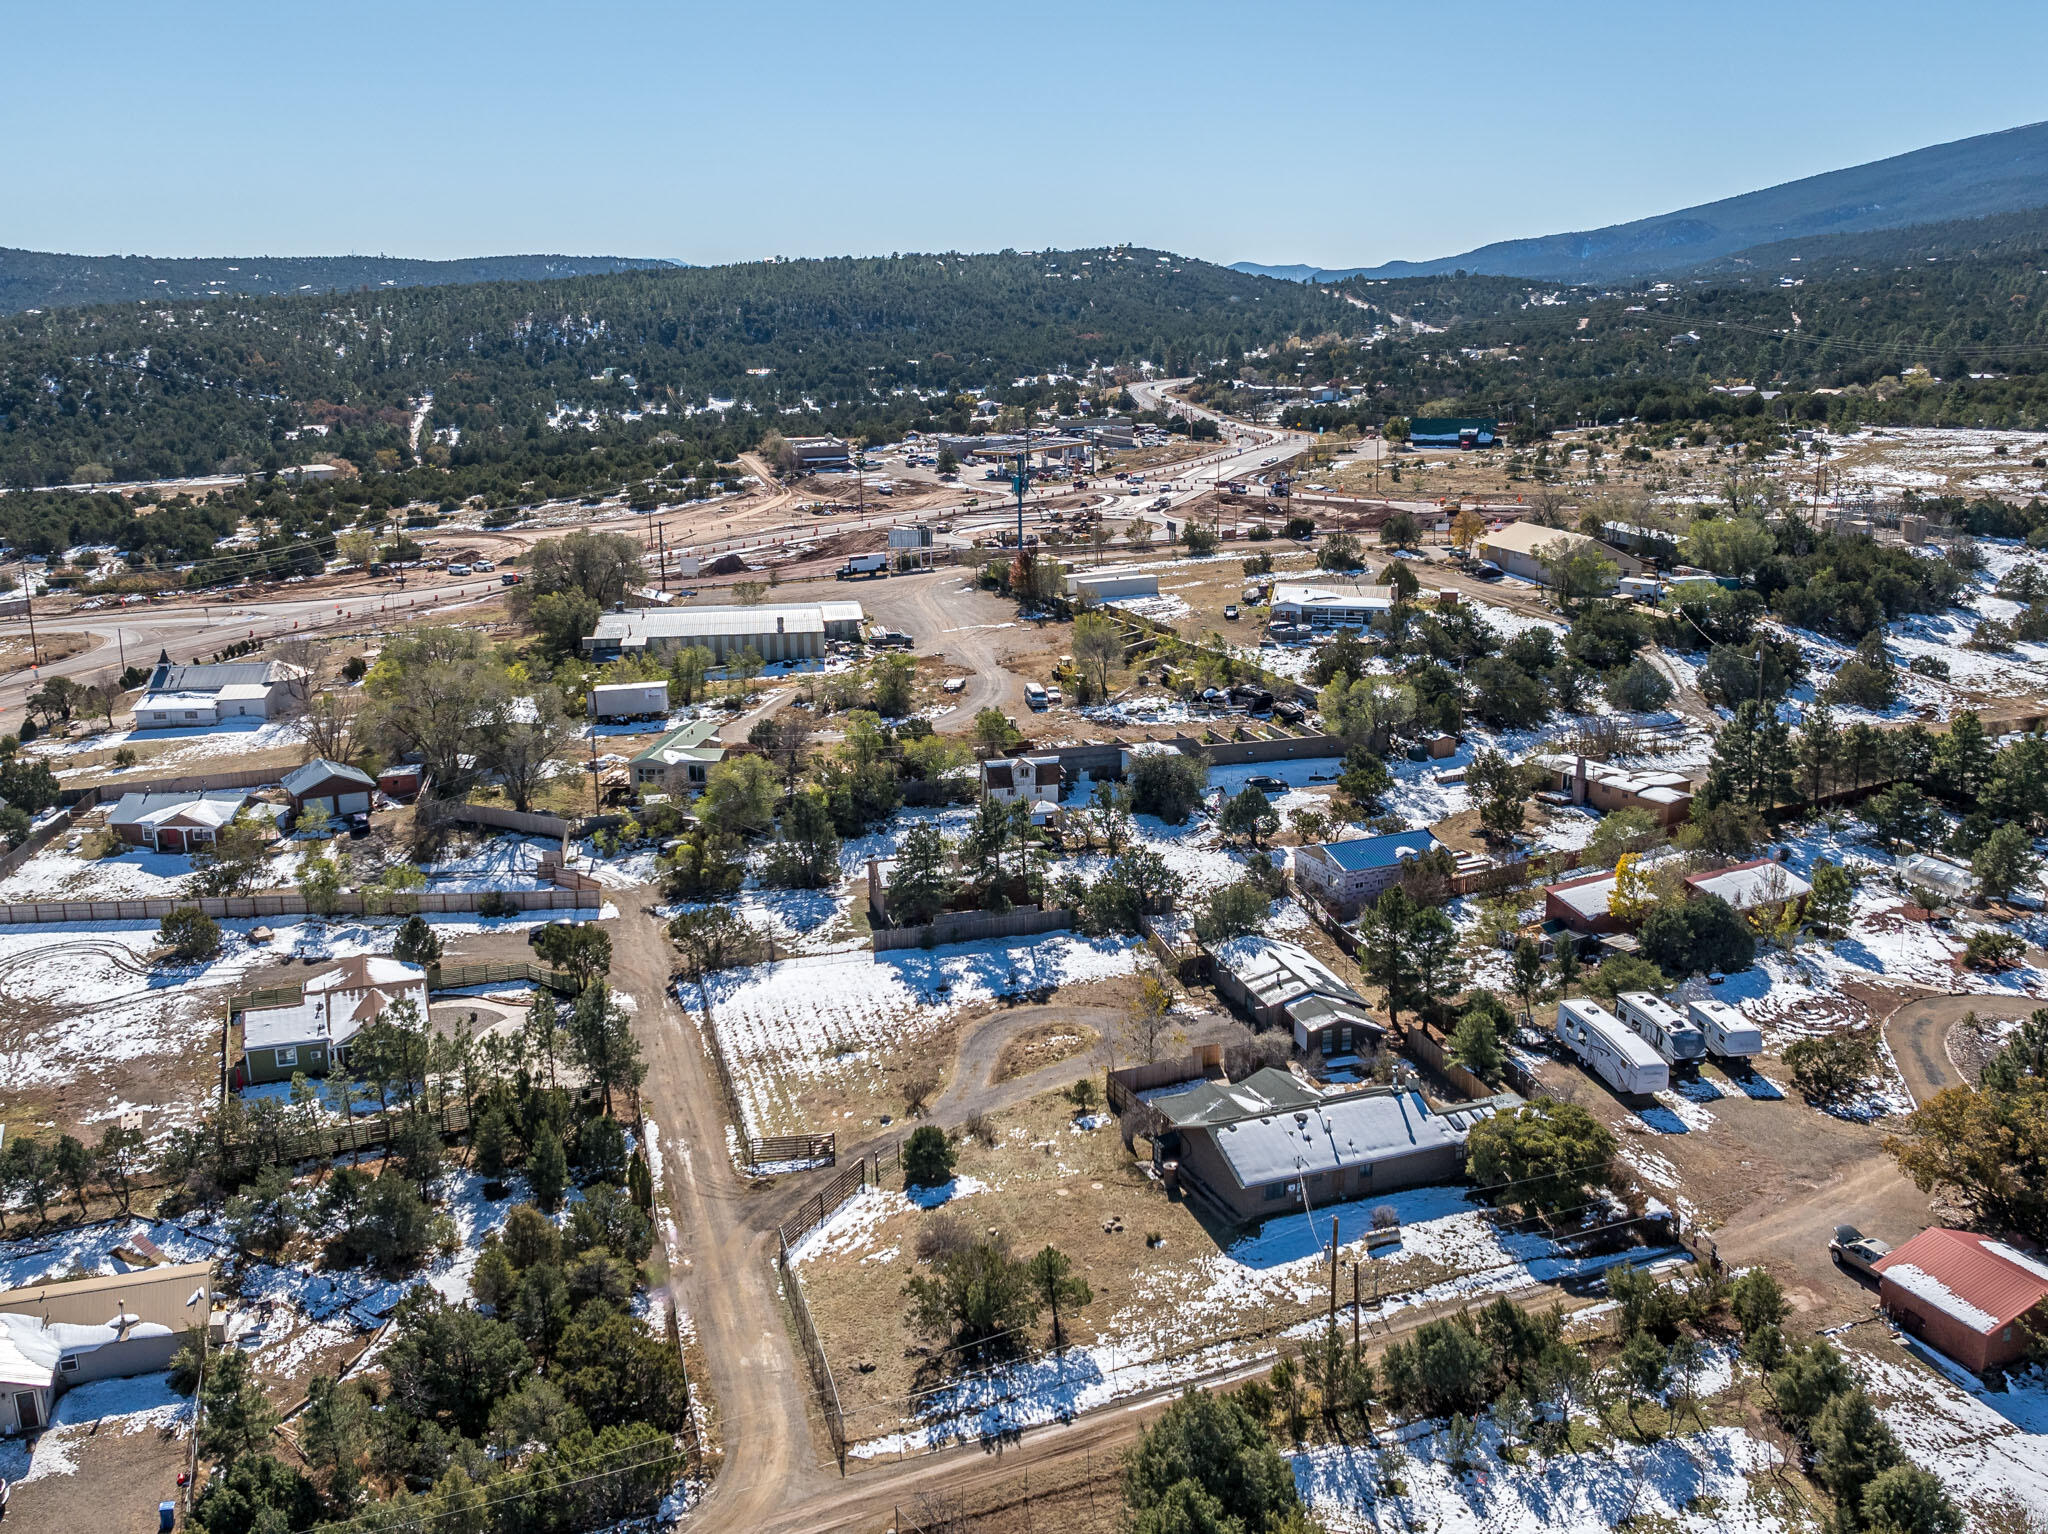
[32,279]
[1970,178]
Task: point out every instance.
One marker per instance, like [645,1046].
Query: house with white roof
[1349,605]
[304,1037]
[186,697]
[174,822]
[105,1326]
[1260,1146]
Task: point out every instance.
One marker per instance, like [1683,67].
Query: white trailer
[864,564]
[1728,1033]
[1607,1048]
[629,700]
[1659,1025]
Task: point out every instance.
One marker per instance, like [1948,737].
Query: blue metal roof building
[1344,875]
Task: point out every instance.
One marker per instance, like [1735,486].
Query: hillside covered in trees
[712,357]
[40,279]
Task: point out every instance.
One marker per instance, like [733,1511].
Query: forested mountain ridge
[1970,178]
[36,279]
[710,353]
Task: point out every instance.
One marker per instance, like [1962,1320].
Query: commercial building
[1971,1298]
[790,633]
[819,454]
[681,761]
[1452,431]
[1107,585]
[1258,1147]
[1518,549]
[187,697]
[305,1036]
[107,1326]
[1346,875]
[175,822]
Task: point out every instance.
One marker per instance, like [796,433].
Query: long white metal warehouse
[1608,1049]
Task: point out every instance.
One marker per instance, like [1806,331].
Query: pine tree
[547,1170]
[1819,752]
[1052,1274]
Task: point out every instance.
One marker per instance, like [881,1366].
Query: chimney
[778,623]
[1578,780]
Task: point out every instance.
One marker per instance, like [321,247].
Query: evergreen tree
[919,885]
[1052,1274]
[601,1035]
[547,1170]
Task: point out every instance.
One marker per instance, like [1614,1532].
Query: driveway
[1918,1030]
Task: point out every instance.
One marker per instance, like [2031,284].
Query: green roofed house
[1451,431]
[681,760]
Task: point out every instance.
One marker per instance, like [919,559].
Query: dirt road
[954,620]
[1918,1034]
[719,1266]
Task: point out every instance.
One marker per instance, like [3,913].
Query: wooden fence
[290,903]
[48,832]
[972,926]
[190,783]
[325,1141]
[800,1147]
[1426,1045]
[811,1213]
[455,977]
[445,812]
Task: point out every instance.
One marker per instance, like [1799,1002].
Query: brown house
[1973,1299]
[1581,904]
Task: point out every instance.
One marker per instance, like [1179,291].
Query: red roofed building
[1964,1295]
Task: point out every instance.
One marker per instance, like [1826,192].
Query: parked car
[1487,570]
[1052,695]
[1856,1251]
[954,684]
[1230,613]
[458,569]
[483,567]
[1266,784]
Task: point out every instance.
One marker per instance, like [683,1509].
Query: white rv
[1729,1034]
[1607,1048]
[1659,1025]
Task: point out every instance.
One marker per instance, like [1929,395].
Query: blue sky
[1332,134]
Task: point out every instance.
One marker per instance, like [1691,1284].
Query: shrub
[1544,1156]
[1169,785]
[1990,949]
[189,933]
[927,1158]
[1701,936]
[1829,1069]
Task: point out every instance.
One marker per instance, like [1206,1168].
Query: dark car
[1267,785]
[1487,570]
[359,825]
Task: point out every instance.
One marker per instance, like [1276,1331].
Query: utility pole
[28,600]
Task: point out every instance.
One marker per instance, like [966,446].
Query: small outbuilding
[106,1326]
[1976,1300]
[335,789]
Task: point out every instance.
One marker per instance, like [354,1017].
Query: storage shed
[1967,1296]
[333,788]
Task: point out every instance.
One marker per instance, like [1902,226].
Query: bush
[189,933]
[1701,936]
[1544,1157]
[927,1158]
[416,943]
[1168,784]
[1989,949]
[1207,1463]
[1444,1369]
[1638,687]
[1829,1069]
[981,1297]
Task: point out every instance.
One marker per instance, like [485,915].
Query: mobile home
[1660,1026]
[1605,1046]
[1728,1033]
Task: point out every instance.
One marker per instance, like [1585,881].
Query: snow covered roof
[690,622]
[31,1349]
[1982,1283]
[1763,881]
[337,1004]
[1269,1090]
[1588,896]
[1329,1135]
[215,808]
[1314,598]
[1277,972]
[696,741]
[318,771]
[260,675]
